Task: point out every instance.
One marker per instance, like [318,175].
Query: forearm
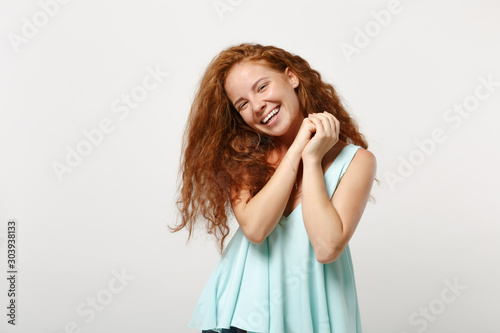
[261,214]
[322,222]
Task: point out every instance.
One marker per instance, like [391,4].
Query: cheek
[288,94]
[293,100]
[247,117]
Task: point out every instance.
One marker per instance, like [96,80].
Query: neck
[287,139]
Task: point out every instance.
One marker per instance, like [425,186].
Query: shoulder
[364,156]
[364,161]
[355,184]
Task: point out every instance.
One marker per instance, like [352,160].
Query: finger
[334,124]
[318,122]
[329,116]
[327,122]
[331,125]
[307,123]
[307,128]
[323,115]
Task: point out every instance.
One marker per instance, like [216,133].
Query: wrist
[309,161]
[294,153]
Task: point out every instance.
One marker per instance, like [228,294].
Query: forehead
[242,75]
[249,68]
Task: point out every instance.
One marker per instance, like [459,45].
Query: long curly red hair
[222,154]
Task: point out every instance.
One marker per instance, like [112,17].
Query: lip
[267,114]
[275,118]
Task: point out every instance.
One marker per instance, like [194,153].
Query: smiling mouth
[270,115]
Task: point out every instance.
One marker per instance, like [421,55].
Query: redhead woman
[269,143]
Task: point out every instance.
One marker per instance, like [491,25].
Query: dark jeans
[232,329]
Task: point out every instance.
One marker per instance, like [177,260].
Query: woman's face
[265,98]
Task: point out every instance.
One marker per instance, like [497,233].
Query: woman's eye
[262,86]
[242,106]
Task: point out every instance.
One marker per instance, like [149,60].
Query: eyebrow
[253,87]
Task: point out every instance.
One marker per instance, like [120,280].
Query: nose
[259,105]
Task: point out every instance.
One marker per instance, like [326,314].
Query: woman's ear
[292,78]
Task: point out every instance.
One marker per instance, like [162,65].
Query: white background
[438,223]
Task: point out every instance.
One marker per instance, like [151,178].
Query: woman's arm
[330,224]
[259,217]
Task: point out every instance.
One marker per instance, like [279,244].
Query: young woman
[270,143]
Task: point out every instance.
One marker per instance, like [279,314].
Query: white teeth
[270,115]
